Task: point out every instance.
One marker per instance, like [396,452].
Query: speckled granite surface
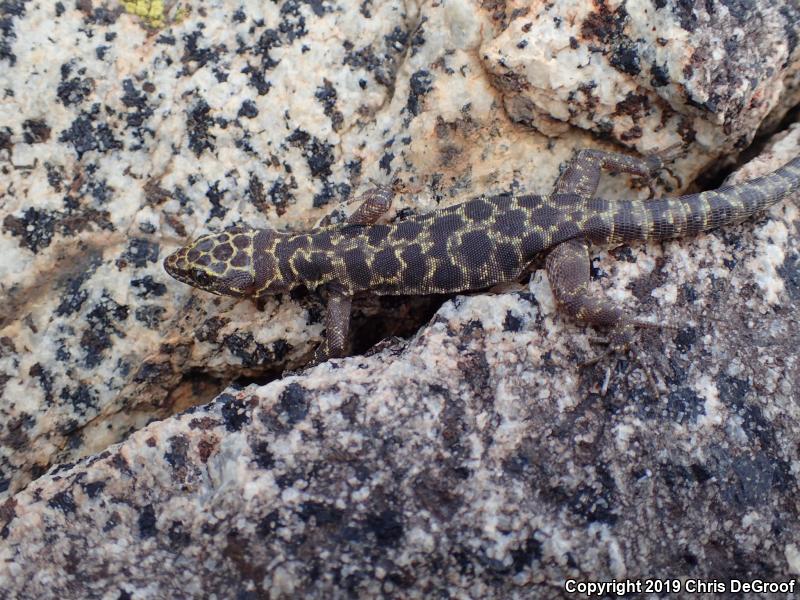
[474,460]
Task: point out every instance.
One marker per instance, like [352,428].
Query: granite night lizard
[470,246]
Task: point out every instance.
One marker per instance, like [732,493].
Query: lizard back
[473,245]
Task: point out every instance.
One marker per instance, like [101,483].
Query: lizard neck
[305,259]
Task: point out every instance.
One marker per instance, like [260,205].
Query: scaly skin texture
[470,246]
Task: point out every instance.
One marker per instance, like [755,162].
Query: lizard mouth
[177,266]
[216,278]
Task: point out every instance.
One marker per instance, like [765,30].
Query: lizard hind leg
[568,270]
[582,173]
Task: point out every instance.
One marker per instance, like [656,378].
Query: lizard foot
[656,161]
[623,340]
[395,344]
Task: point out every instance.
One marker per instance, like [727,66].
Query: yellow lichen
[152,11]
[181,14]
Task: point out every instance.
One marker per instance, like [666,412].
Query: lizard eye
[202,278]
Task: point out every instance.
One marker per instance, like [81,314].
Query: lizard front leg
[337,325]
[375,202]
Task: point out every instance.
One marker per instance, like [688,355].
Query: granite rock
[468,461]
[474,459]
[629,70]
[126,128]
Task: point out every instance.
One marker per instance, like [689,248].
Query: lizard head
[220,263]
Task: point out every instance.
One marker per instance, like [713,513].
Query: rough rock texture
[630,69]
[467,462]
[476,459]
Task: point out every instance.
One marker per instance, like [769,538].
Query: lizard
[472,245]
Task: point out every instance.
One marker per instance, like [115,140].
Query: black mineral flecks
[385,162]
[381,60]
[198,123]
[791,13]
[147,287]
[177,454]
[93,488]
[326,94]
[280,194]
[178,536]
[139,253]
[45,379]
[55,176]
[216,196]
[150,315]
[248,110]
[331,192]
[318,154]
[35,131]
[789,271]
[512,323]
[137,101]
[156,373]
[626,58]
[88,133]
[386,526]
[608,27]
[235,412]
[294,403]
[81,397]
[684,405]
[659,75]
[35,228]
[258,79]
[262,455]
[74,87]
[105,321]
[63,501]
[209,330]
[268,40]
[420,84]
[74,293]
[321,514]
[99,15]
[5,138]
[194,53]
[253,353]
[147,521]
[594,501]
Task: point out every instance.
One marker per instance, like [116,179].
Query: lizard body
[469,246]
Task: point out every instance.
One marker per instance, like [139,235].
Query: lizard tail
[668,218]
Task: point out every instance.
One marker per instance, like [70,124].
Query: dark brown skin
[470,246]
